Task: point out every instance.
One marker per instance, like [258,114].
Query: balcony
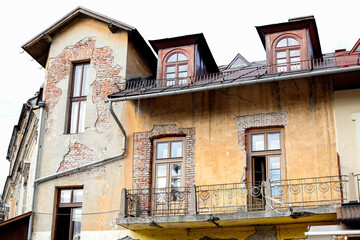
[237,204]
[238,77]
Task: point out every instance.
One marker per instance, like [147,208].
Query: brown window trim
[176,64]
[287,50]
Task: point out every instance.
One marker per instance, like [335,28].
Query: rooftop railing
[247,73]
[237,197]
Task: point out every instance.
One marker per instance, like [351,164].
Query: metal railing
[157,201]
[238,197]
[242,74]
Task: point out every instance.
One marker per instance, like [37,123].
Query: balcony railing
[248,73]
[237,197]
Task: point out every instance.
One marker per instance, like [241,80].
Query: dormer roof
[294,24]
[356,48]
[198,39]
[39,46]
[238,61]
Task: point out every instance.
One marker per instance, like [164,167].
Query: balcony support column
[193,203]
[266,188]
[122,213]
[352,193]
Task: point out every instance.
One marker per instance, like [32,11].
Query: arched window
[287,54]
[176,69]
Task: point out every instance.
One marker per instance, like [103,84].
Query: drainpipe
[118,156]
[41,105]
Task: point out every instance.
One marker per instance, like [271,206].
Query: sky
[228,26]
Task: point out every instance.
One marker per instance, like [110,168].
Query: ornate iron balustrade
[247,73]
[235,197]
[157,201]
[309,192]
[238,197]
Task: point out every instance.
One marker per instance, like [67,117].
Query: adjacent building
[174,146]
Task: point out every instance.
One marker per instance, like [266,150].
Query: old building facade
[177,147]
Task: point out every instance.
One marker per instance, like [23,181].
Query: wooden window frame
[266,152]
[168,160]
[79,99]
[177,80]
[288,64]
[72,205]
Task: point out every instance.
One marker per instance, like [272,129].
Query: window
[265,155]
[78,93]
[68,214]
[176,69]
[287,54]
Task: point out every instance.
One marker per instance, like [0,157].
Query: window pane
[274,175]
[182,81]
[161,183]
[76,221]
[182,68]
[282,43]
[295,59]
[292,42]
[294,53]
[273,141]
[182,74]
[176,170]
[258,142]
[82,116]
[172,58]
[77,80]
[281,54]
[65,196]
[281,61]
[170,83]
[161,170]
[170,75]
[74,116]
[274,162]
[176,149]
[170,69]
[78,195]
[181,57]
[85,79]
[162,150]
[175,182]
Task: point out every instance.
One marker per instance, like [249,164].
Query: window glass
[170,83]
[182,74]
[170,69]
[295,59]
[294,53]
[282,43]
[292,42]
[258,142]
[176,169]
[82,117]
[77,80]
[357,49]
[65,196]
[78,195]
[175,182]
[181,57]
[275,175]
[161,182]
[280,61]
[162,150]
[273,141]
[170,75]
[274,162]
[172,58]
[161,170]
[85,79]
[176,149]
[76,221]
[281,54]
[182,68]
[74,115]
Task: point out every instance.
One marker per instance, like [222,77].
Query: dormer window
[176,69]
[287,53]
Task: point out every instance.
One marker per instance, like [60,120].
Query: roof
[17,218]
[356,48]
[38,47]
[294,24]
[348,213]
[198,39]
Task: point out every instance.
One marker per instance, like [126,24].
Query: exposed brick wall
[79,154]
[142,165]
[105,83]
[256,121]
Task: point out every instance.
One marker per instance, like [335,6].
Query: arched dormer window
[176,69]
[287,54]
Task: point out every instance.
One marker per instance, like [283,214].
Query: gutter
[118,156]
[240,83]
